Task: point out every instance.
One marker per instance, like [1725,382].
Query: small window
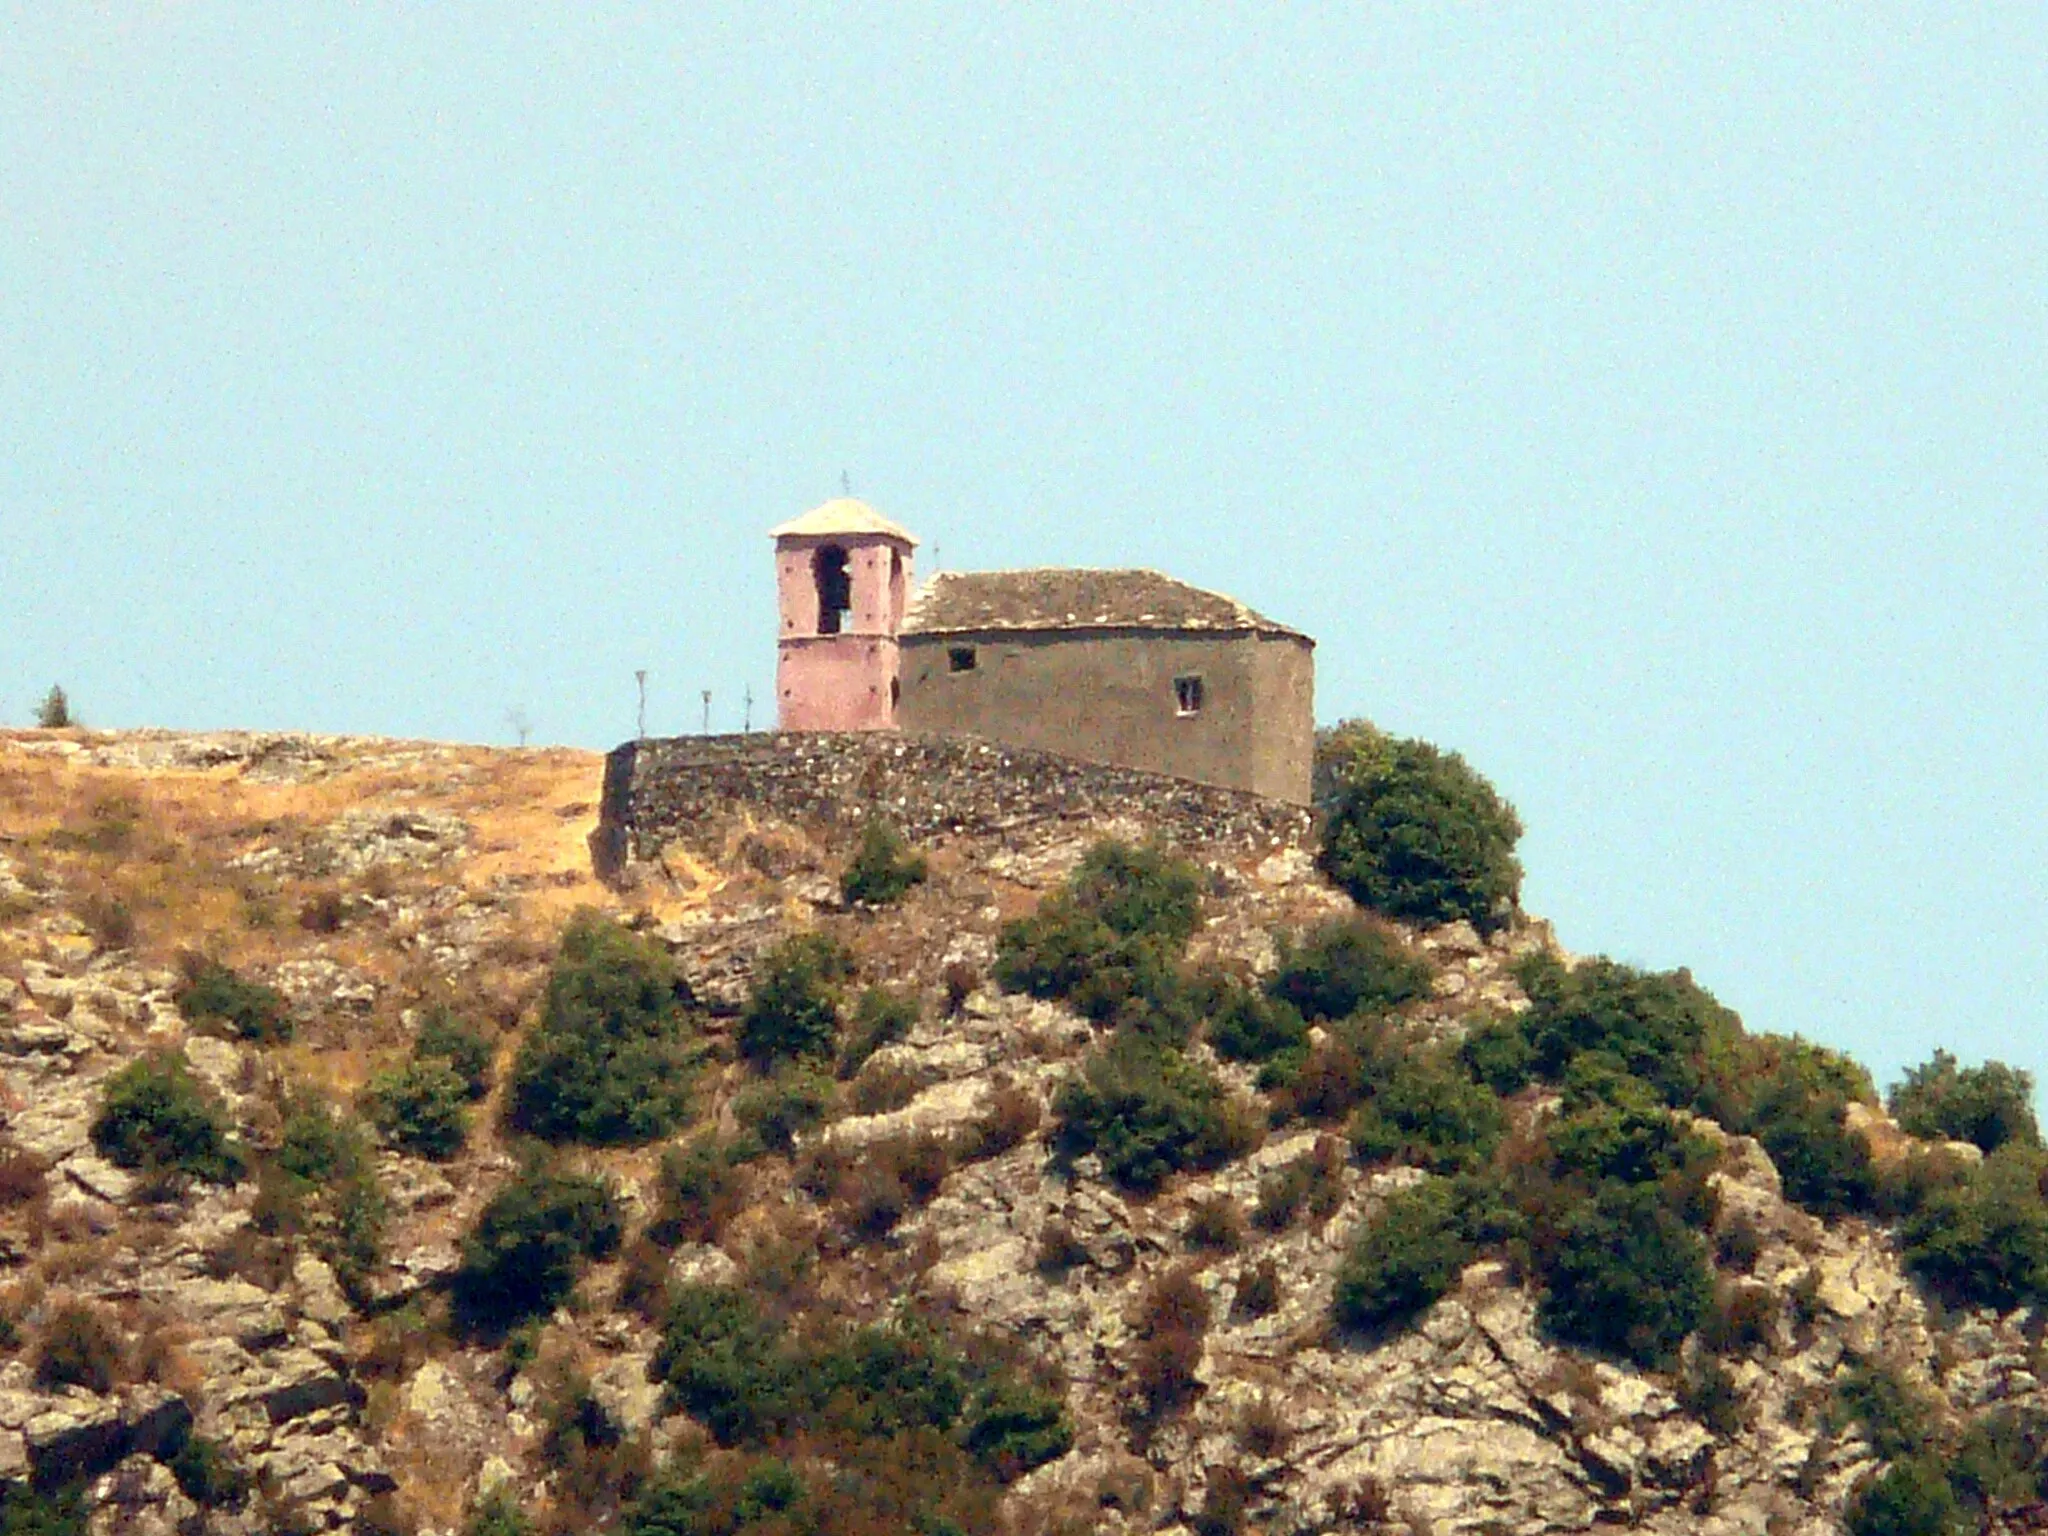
[1187,694]
[960,658]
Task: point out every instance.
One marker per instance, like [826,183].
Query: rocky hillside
[1118,1317]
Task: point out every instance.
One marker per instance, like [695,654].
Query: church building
[1127,667]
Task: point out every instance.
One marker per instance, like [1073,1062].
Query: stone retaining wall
[927,785]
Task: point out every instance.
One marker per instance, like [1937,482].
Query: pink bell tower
[842,576]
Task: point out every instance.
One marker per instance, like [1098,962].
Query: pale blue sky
[1651,407]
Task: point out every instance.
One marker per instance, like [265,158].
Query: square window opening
[1187,695]
[960,658]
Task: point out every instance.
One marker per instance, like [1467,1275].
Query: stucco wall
[1109,697]
[688,788]
[842,682]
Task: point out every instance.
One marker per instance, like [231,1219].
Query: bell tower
[842,576]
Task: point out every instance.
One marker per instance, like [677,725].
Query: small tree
[1345,965]
[1988,1105]
[54,713]
[1414,832]
[1406,1257]
[793,1010]
[883,869]
[609,1063]
[1625,1275]
[156,1117]
[1149,1111]
[529,1243]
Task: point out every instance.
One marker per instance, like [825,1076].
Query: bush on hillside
[445,1035]
[792,1012]
[81,1347]
[321,1183]
[1659,1026]
[1896,1419]
[2002,1461]
[1988,1105]
[1109,942]
[1413,832]
[529,1244]
[1148,1112]
[611,1060]
[1413,1251]
[884,868]
[1632,1142]
[156,1117]
[1249,1025]
[698,1189]
[1985,1243]
[421,1107]
[1624,1274]
[775,1110]
[1794,1099]
[54,712]
[1347,965]
[880,1017]
[1496,1051]
[1909,1498]
[1429,1114]
[214,994]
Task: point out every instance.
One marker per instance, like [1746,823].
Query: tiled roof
[963,602]
[840,515]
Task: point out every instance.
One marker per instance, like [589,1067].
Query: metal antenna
[845,483]
[747,718]
[707,711]
[640,677]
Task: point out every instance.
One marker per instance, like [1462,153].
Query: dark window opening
[835,588]
[960,658]
[1187,693]
[895,692]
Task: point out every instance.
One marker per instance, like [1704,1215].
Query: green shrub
[1658,1026]
[1985,1243]
[445,1036]
[421,1107]
[1633,1142]
[1406,1257]
[1109,942]
[27,1510]
[697,1191]
[793,1011]
[81,1347]
[156,1117]
[1795,1102]
[1708,1392]
[1496,1051]
[1251,1026]
[610,1061]
[54,713]
[322,1182]
[1895,1419]
[884,868]
[498,1513]
[207,1473]
[1415,833]
[1139,891]
[1347,965]
[529,1244]
[777,1109]
[1013,1424]
[1988,1105]
[880,1017]
[1148,1112]
[1623,1274]
[2002,1460]
[249,1010]
[1429,1114]
[1909,1498]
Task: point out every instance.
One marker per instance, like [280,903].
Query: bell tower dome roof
[840,517]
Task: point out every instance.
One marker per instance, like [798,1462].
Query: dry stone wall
[656,791]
